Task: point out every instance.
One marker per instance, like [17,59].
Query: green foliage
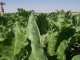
[26,35]
[51,40]
[37,52]
[61,50]
[77,57]
[14,41]
[41,19]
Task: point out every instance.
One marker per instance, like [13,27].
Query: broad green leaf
[77,57]
[61,50]
[37,52]
[52,39]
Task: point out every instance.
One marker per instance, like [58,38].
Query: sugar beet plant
[26,35]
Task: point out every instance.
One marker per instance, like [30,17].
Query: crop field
[27,35]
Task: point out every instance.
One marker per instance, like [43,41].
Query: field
[27,35]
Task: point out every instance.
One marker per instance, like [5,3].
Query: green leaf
[52,40]
[77,57]
[37,52]
[61,50]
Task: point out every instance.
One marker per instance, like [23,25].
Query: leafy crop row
[26,35]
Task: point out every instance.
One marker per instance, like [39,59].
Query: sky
[42,5]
